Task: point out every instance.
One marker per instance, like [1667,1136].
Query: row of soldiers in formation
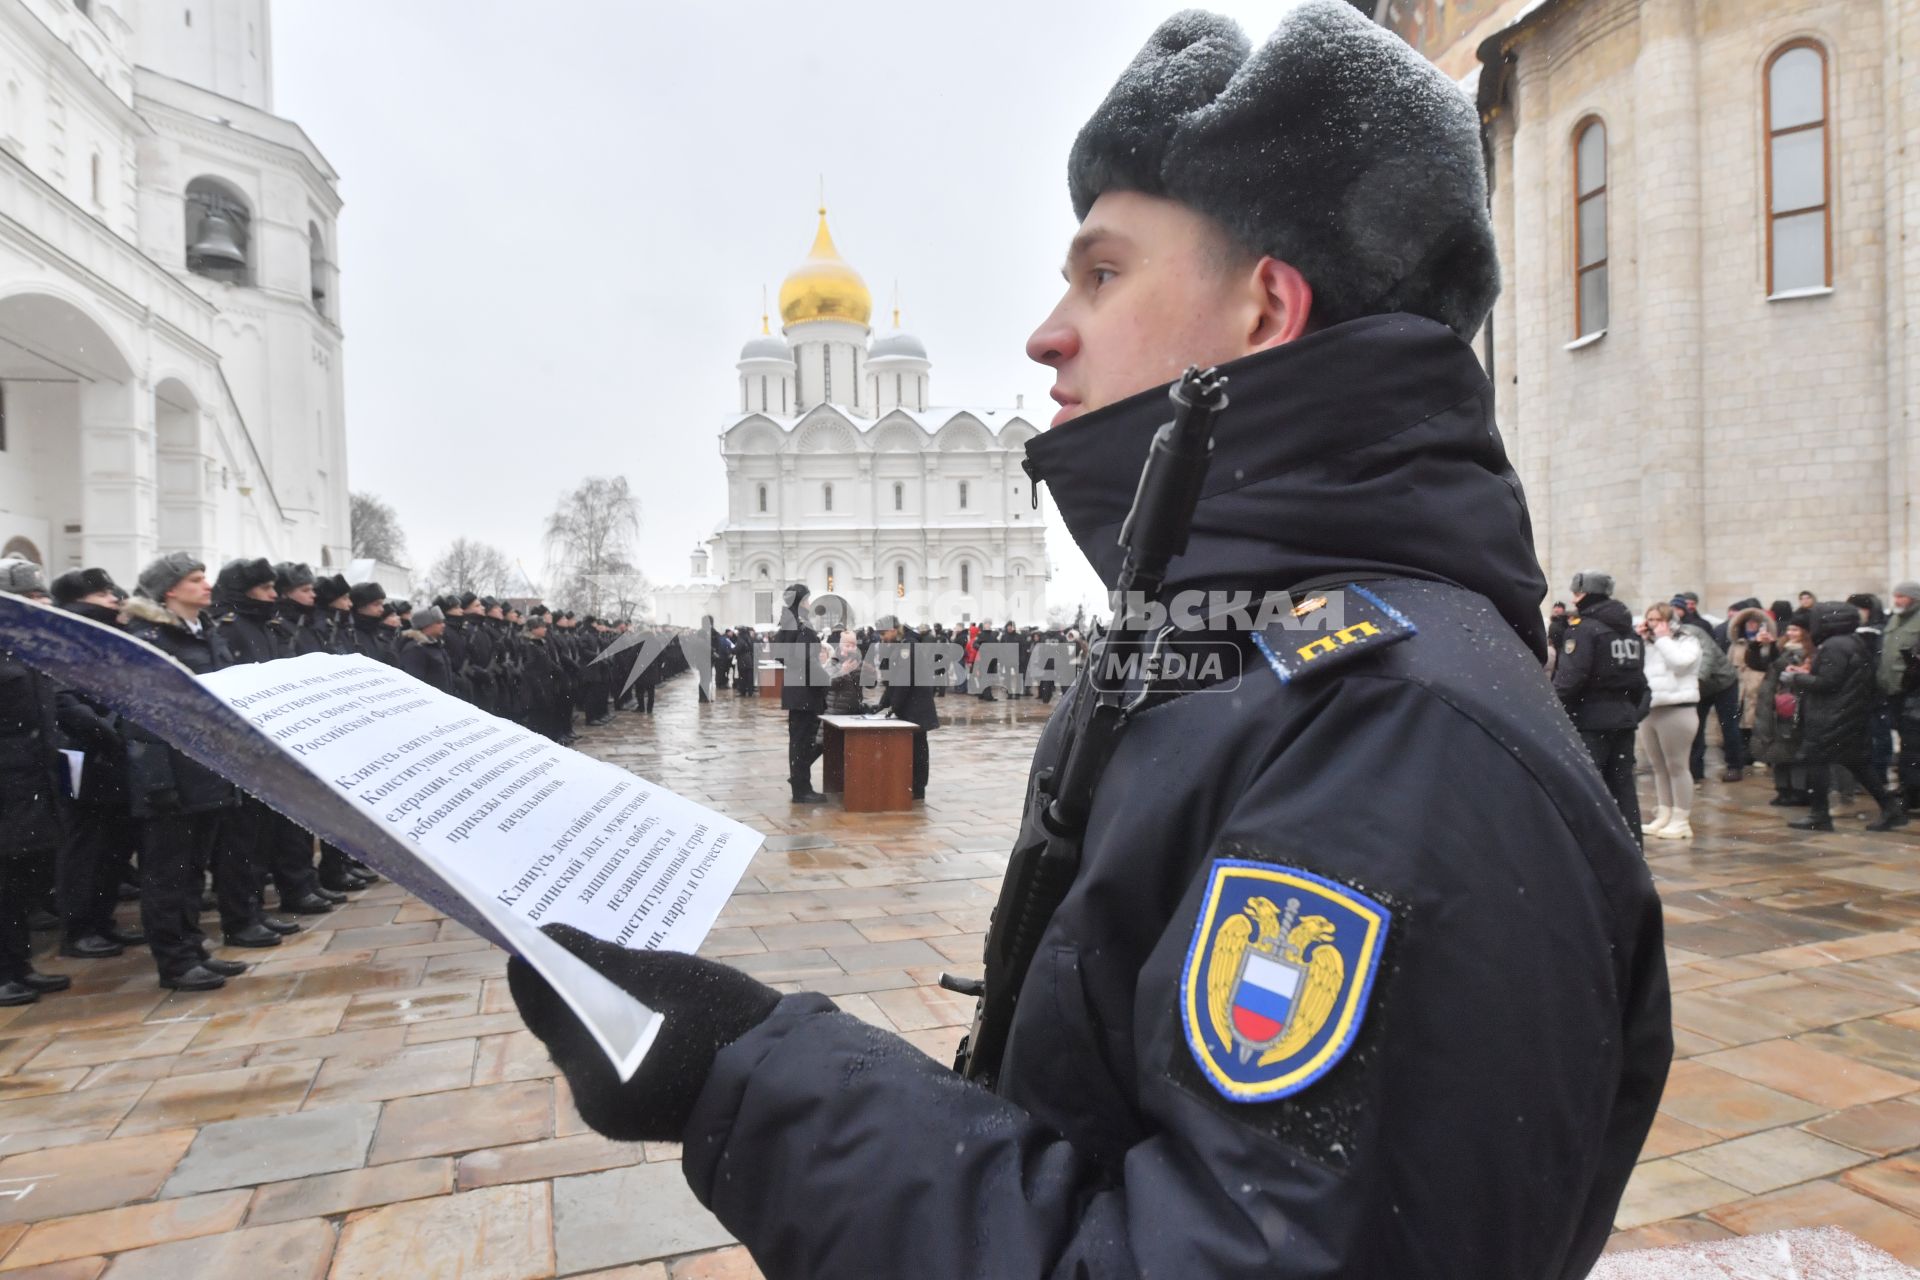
[73,849]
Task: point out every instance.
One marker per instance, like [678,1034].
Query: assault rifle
[1046,855]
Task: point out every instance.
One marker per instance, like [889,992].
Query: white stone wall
[149,409]
[1713,439]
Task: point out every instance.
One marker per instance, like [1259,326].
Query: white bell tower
[225,46]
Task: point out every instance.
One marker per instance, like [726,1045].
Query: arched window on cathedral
[899,496]
[319,270]
[1590,227]
[1799,193]
[966,577]
[900,578]
[963,495]
[743,393]
[826,497]
[763,499]
[830,575]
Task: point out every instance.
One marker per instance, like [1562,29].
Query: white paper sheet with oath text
[530,832]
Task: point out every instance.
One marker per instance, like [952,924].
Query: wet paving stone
[367,1103]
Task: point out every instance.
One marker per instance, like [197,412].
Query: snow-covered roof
[995,420]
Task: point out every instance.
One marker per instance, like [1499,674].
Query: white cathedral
[170,347]
[841,475]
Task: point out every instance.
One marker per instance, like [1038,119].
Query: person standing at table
[909,694]
[804,693]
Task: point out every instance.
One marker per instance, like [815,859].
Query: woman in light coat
[1666,735]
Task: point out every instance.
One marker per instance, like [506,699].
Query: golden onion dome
[824,287]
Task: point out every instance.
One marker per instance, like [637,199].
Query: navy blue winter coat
[1486,1113]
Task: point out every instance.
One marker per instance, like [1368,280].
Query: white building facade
[1706,355]
[842,474]
[170,352]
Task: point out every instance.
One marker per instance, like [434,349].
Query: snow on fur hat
[1333,147]
[366,593]
[163,574]
[424,618]
[1593,582]
[237,577]
[22,577]
[291,575]
[329,589]
[76,584]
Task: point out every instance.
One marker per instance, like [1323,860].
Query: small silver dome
[897,343]
[767,346]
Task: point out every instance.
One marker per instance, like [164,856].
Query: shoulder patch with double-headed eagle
[1277,977]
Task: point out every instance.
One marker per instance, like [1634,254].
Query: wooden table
[773,678]
[869,761]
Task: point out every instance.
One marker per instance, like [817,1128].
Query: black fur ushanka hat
[1333,147]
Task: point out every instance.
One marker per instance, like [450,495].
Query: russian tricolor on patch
[1277,977]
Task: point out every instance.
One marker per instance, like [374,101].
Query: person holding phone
[1666,735]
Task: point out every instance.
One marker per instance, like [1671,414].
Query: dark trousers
[1612,752]
[1726,705]
[593,699]
[646,698]
[1909,725]
[334,862]
[24,878]
[1820,777]
[803,748]
[920,763]
[91,868]
[1880,733]
[174,849]
[289,856]
[240,860]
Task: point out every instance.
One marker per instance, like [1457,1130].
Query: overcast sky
[559,219]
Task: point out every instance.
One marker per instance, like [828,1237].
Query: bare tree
[590,545]
[376,530]
[470,565]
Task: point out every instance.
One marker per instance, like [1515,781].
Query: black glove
[707,1006]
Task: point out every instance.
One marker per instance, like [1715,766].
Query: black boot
[1892,814]
[1813,822]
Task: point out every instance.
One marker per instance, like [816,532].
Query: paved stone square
[365,1103]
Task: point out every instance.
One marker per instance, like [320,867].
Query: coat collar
[1366,449]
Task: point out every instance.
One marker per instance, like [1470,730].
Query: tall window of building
[743,393]
[829,575]
[763,393]
[94,184]
[1799,221]
[899,497]
[899,578]
[763,498]
[1590,227]
[899,396]
[963,495]
[826,497]
[826,371]
[966,577]
[3,417]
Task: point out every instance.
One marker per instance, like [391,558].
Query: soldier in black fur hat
[1310,1005]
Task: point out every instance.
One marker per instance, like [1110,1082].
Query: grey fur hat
[1593,582]
[1333,147]
[22,577]
[159,577]
[426,617]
